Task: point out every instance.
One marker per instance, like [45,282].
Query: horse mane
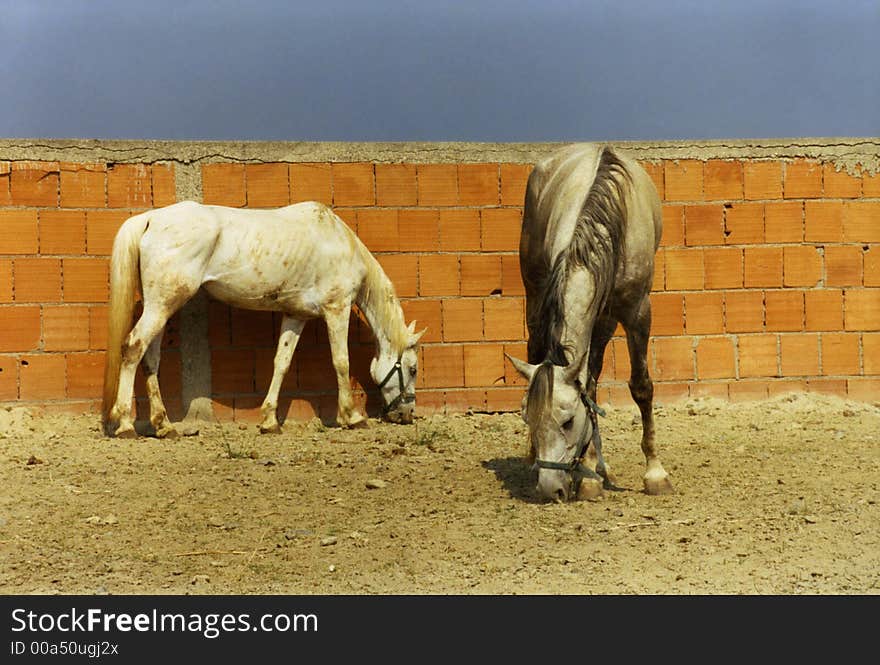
[378,301]
[539,397]
[596,244]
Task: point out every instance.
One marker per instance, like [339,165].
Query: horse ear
[411,328]
[573,369]
[414,338]
[524,368]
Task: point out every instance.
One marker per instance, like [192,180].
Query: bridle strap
[402,397]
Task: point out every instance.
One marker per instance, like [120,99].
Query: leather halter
[402,397]
[576,467]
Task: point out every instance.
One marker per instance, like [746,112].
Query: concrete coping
[851,154]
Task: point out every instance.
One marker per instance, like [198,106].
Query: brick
[5,194]
[18,232]
[21,328]
[673,226]
[801,266]
[723,180]
[861,221]
[310,182]
[723,268]
[514,178]
[478,184]
[8,379]
[684,269]
[268,185]
[438,275]
[101,229]
[827,386]
[129,186]
[224,184]
[460,230]
[503,400]
[483,365]
[86,280]
[403,271]
[443,366]
[863,390]
[799,355]
[824,310]
[744,223]
[500,229]
[379,229]
[843,265]
[42,376]
[803,180]
[480,274]
[396,185]
[784,310]
[871,184]
[426,314]
[840,354]
[314,370]
[621,366]
[65,328]
[37,280]
[5,280]
[34,183]
[784,221]
[748,391]
[504,318]
[757,356]
[98,327]
[861,309]
[460,401]
[511,277]
[667,314]
[249,328]
[762,266]
[419,230]
[511,376]
[871,275]
[85,374]
[838,184]
[715,358]
[871,353]
[164,187]
[823,221]
[786,387]
[232,371]
[655,172]
[667,393]
[683,180]
[674,359]
[743,311]
[703,225]
[658,279]
[438,184]
[353,184]
[704,389]
[463,320]
[62,231]
[83,185]
[762,180]
[704,313]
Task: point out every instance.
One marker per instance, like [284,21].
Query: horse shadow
[516,475]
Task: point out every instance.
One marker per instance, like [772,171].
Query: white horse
[302,260]
[591,225]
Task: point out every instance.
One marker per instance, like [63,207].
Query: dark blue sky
[471,70]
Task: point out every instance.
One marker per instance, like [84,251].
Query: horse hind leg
[158,415]
[656,480]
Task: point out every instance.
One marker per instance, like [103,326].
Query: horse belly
[301,303]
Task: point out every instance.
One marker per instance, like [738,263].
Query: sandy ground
[776,497]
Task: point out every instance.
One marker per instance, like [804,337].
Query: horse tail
[125,281]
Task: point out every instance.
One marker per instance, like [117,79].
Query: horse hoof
[356,420]
[589,490]
[658,487]
[126,433]
[271,429]
[167,433]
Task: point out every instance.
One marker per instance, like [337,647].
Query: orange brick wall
[767,280]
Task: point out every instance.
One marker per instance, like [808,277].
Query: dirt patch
[776,497]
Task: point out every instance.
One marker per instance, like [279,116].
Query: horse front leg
[656,480]
[291,329]
[337,317]
[603,330]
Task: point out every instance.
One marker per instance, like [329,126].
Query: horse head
[395,373]
[560,425]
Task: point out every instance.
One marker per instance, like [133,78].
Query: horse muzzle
[402,413]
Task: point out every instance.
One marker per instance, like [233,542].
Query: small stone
[329,540]
[331,568]
[242,426]
[34,460]
[810,519]
[376,484]
[190,430]
[200,579]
